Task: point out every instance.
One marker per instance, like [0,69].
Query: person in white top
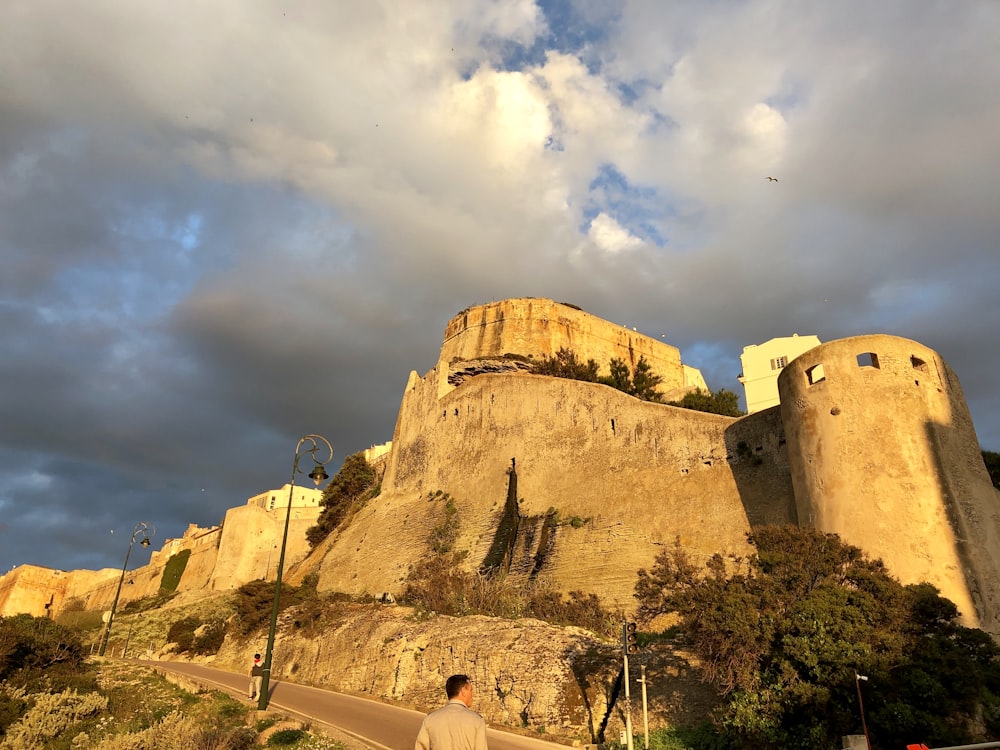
[455,726]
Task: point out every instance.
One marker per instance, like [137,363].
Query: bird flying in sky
[771,179]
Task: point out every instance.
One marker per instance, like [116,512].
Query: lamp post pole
[318,474]
[864,727]
[147,530]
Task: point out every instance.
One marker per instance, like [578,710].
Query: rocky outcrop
[543,679]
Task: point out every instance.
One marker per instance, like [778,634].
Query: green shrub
[173,570]
[181,632]
[33,646]
[285,737]
[445,534]
[253,602]
[354,483]
[50,715]
[209,641]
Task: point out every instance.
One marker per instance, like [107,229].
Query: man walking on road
[455,726]
[256,675]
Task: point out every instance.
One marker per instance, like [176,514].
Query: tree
[640,382]
[620,376]
[356,477]
[721,402]
[783,633]
[992,461]
[565,365]
[644,382]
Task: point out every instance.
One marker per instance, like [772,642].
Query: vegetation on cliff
[51,697]
[721,402]
[992,461]
[783,634]
[640,382]
[353,485]
[441,584]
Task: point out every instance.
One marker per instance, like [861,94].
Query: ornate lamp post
[147,530]
[318,474]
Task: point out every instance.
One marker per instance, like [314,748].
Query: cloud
[610,236]
[223,228]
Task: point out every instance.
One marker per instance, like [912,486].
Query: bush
[438,584]
[721,402]
[285,737]
[50,715]
[354,482]
[173,570]
[254,601]
[31,646]
[181,632]
[565,365]
[209,641]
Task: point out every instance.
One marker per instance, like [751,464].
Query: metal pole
[144,528]
[645,713]
[628,704]
[129,636]
[864,727]
[272,629]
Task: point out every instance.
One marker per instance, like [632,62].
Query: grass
[135,707]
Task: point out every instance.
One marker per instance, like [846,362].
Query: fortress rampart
[872,440]
[640,474]
[883,452]
[532,328]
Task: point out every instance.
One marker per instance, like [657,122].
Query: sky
[224,226]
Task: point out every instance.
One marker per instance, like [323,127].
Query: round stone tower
[883,452]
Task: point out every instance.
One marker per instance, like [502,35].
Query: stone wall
[534,328]
[554,682]
[251,544]
[635,475]
[883,453]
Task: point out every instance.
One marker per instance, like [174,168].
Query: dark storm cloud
[213,243]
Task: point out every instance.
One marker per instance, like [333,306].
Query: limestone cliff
[545,680]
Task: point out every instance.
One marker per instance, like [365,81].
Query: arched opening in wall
[868,359]
[815,374]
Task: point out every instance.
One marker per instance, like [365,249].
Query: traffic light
[629,645]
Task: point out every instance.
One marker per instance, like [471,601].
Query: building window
[918,364]
[815,374]
[778,362]
[868,359]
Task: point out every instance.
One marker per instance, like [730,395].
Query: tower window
[815,374]
[868,359]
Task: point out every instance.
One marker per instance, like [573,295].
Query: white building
[303,497]
[762,363]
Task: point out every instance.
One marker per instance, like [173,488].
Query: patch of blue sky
[571,28]
[188,233]
[792,94]
[718,364]
[641,210]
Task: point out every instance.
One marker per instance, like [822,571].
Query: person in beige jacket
[454,726]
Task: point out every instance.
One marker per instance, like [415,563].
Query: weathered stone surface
[528,675]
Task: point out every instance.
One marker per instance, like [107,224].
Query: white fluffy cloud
[224,226]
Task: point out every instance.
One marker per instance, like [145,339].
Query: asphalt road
[378,725]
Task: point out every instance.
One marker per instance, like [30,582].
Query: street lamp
[318,475]
[864,727]
[147,530]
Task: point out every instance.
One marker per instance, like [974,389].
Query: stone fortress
[579,485]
